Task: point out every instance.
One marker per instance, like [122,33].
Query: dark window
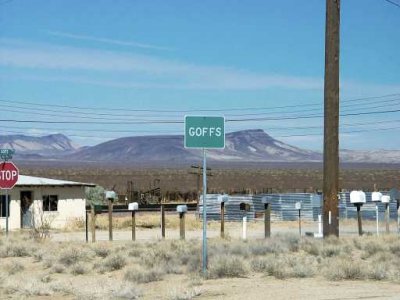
[3,206]
[50,202]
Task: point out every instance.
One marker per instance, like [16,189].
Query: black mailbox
[244,206]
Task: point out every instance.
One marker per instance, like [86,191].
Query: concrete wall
[71,206]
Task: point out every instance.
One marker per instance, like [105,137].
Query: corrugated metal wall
[283,207]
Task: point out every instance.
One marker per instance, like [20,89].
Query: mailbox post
[134,206]
[377,197]
[386,201]
[182,210]
[298,207]
[110,196]
[358,199]
[244,207]
[267,216]
[222,199]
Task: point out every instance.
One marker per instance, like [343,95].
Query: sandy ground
[254,286]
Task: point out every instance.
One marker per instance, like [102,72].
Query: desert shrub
[345,270]
[227,266]
[331,251]
[18,250]
[58,268]
[378,271]
[70,256]
[114,262]
[140,275]
[372,247]
[290,267]
[101,251]
[262,264]
[78,269]
[311,247]
[14,267]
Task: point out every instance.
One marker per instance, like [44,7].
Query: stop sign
[8,175]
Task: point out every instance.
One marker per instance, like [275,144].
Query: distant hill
[241,146]
[247,145]
[34,147]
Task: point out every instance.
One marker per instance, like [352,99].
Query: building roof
[24,180]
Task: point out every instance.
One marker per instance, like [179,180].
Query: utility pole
[199,171]
[331,120]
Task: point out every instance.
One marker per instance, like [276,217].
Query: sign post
[8,177]
[204,132]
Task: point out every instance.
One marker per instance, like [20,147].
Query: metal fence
[283,207]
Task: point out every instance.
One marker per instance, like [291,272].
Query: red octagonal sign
[8,175]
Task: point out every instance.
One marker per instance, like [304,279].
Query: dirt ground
[174,286]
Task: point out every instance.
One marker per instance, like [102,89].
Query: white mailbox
[181,208]
[111,195]
[386,199]
[133,206]
[357,197]
[376,196]
[223,198]
[266,199]
[297,205]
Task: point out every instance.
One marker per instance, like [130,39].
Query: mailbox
[266,199]
[386,199]
[223,198]
[298,205]
[133,206]
[181,209]
[357,197]
[244,206]
[376,196]
[111,195]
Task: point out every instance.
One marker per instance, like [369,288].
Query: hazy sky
[119,68]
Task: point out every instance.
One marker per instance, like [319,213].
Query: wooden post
[182,225]
[360,232]
[331,119]
[86,226]
[222,220]
[93,223]
[300,222]
[133,226]
[267,220]
[387,217]
[163,221]
[110,229]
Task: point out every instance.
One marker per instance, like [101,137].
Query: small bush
[78,269]
[114,262]
[261,264]
[331,251]
[227,266]
[14,267]
[70,256]
[58,268]
[18,250]
[139,275]
[345,270]
[102,251]
[127,292]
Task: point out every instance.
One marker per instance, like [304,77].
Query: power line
[189,110]
[393,3]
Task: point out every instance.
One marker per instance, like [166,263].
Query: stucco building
[35,200]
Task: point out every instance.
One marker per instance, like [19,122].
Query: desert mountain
[240,146]
[30,146]
[247,145]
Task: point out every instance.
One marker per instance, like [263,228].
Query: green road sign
[204,132]
[6,154]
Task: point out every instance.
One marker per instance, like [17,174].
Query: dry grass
[52,266]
